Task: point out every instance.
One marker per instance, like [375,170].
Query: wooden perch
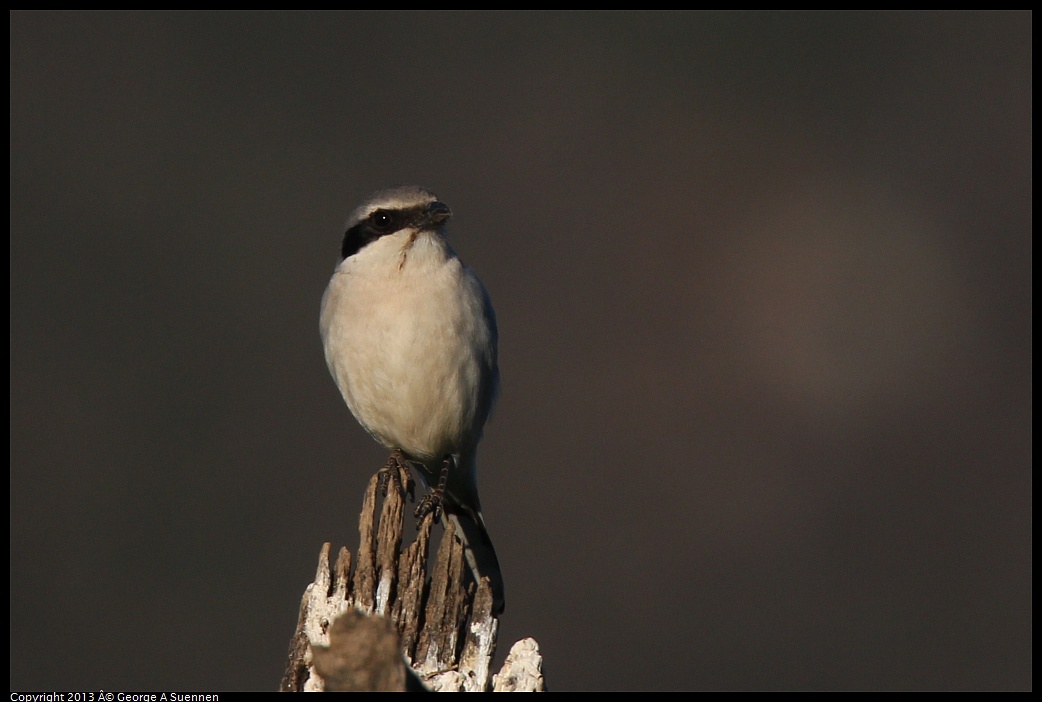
[353,632]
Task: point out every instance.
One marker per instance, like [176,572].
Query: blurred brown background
[764,293]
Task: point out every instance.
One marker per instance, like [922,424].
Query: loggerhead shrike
[410,338]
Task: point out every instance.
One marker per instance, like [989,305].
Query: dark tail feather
[479,551]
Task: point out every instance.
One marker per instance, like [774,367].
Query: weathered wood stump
[400,622]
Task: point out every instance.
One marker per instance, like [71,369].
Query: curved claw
[431,503]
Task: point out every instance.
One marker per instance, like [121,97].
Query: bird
[410,338]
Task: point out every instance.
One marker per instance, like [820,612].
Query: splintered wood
[432,613]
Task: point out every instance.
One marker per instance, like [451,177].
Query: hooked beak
[437,214]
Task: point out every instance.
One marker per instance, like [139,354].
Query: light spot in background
[845,302]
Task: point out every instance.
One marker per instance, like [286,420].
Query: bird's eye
[382,220]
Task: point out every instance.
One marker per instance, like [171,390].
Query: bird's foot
[432,501]
[430,504]
[396,471]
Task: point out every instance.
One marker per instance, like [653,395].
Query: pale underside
[410,341]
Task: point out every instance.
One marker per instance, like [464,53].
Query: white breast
[410,341]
